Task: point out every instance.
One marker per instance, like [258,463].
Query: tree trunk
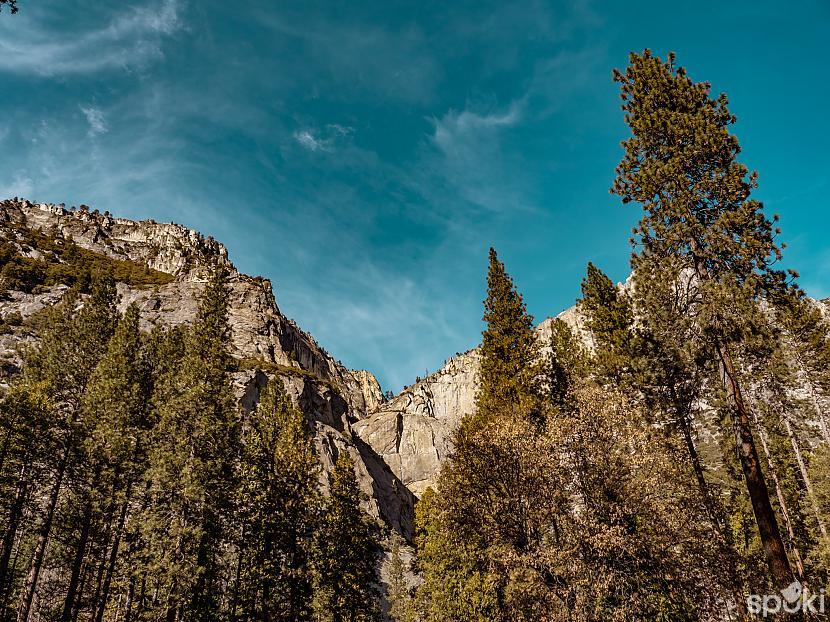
[776,555]
[712,506]
[805,475]
[80,554]
[15,513]
[122,518]
[780,494]
[30,586]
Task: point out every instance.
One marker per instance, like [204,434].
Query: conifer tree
[569,362]
[806,339]
[681,164]
[192,465]
[346,554]
[278,508]
[71,345]
[116,410]
[26,416]
[510,369]
[500,495]
[611,320]
[397,593]
[457,582]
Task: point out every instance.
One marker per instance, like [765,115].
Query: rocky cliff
[265,342]
[412,431]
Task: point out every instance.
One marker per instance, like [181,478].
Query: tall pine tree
[278,509]
[193,466]
[510,372]
[681,164]
[347,552]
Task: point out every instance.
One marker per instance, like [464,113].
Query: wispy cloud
[323,139]
[467,152]
[95,118]
[456,132]
[131,38]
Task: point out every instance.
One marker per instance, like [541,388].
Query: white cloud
[467,153]
[131,38]
[324,139]
[455,130]
[95,118]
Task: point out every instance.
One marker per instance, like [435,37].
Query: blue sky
[364,156]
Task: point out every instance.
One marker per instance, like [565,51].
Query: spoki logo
[792,599]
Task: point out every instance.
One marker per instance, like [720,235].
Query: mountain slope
[264,342]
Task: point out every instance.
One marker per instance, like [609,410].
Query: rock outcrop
[265,342]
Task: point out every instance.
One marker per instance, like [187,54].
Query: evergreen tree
[26,417]
[397,593]
[278,510]
[116,411]
[71,345]
[346,554]
[458,584]
[568,363]
[806,340]
[192,466]
[500,495]
[611,320]
[681,164]
[510,371]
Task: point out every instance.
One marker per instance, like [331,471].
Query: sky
[365,155]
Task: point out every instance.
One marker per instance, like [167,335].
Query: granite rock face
[266,342]
[413,431]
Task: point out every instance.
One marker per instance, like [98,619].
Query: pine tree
[500,496]
[346,552]
[611,320]
[26,418]
[510,370]
[806,339]
[680,163]
[278,508]
[458,585]
[116,410]
[568,363]
[192,466]
[397,594]
[71,345]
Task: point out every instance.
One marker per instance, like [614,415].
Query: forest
[133,488]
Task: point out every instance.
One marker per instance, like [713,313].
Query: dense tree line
[131,487]
[672,460]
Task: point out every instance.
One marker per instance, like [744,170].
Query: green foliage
[703,233]
[568,363]
[192,462]
[397,593]
[457,585]
[510,361]
[61,261]
[278,508]
[347,551]
[610,320]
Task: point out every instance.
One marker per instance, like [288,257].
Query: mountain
[398,445]
[264,342]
